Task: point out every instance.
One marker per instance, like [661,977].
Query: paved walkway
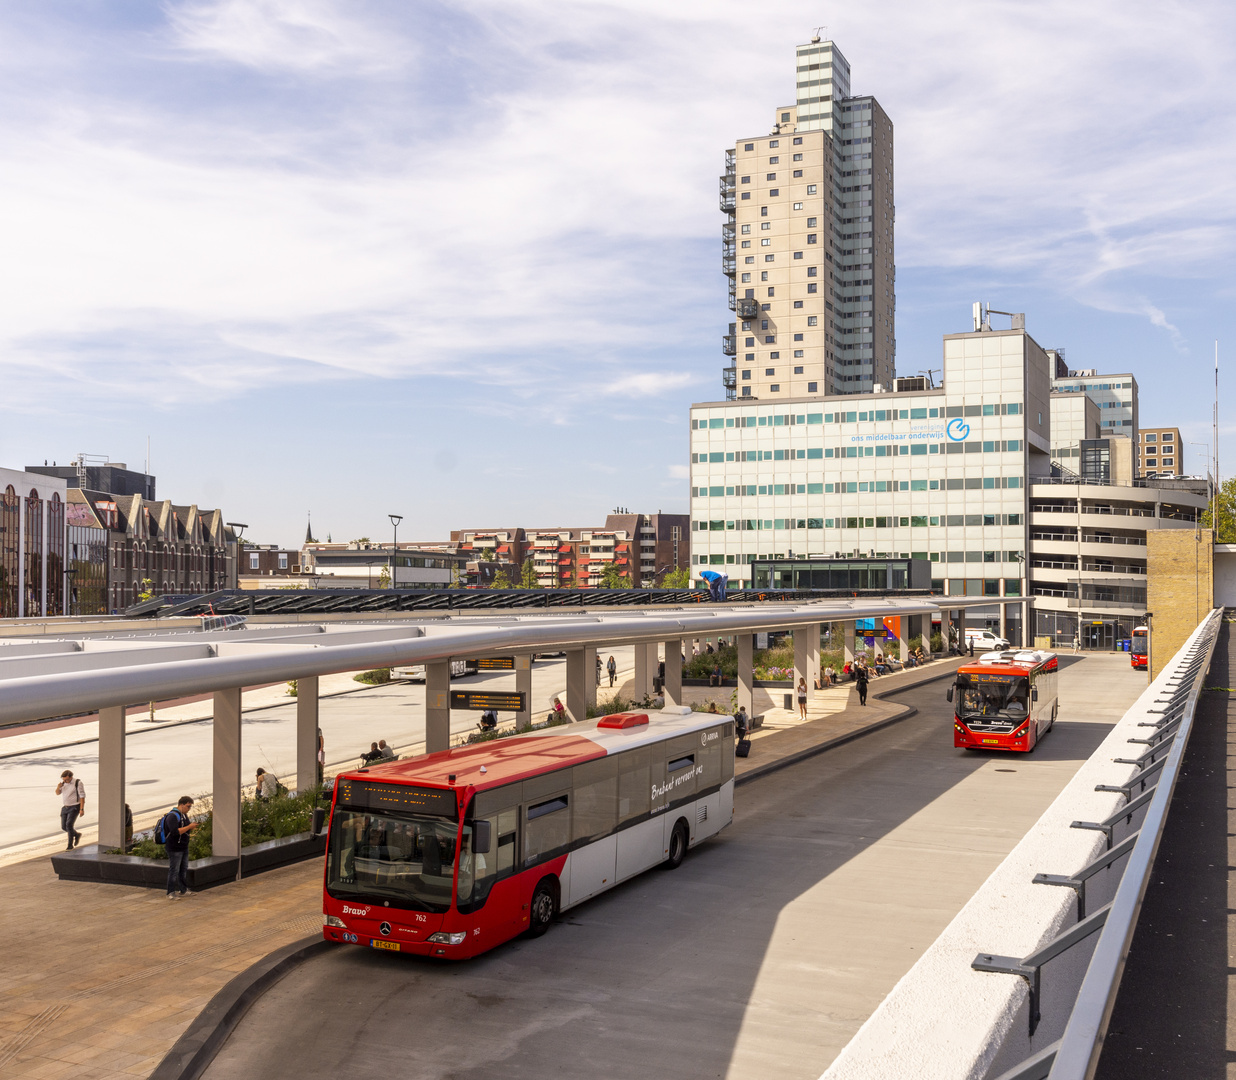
[99,980]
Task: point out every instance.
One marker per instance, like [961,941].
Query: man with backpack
[173,833]
[73,804]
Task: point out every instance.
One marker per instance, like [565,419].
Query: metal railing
[1075,1055]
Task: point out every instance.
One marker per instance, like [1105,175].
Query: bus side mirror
[950,693]
[481,837]
[1034,693]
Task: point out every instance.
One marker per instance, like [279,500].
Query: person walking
[611,666]
[802,698]
[176,830]
[321,759]
[72,805]
[598,671]
[860,679]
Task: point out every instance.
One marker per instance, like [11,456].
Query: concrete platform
[100,981]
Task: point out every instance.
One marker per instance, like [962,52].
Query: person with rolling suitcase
[741,727]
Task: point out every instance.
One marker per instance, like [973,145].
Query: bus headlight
[448,939]
[334,920]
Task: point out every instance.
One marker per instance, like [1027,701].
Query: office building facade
[32,577]
[807,243]
[1115,396]
[944,474]
[1160,452]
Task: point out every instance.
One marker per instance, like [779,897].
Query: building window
[774,356]
[749,342]
[745,243]
[253,560]
[747,260]
[798,157]
[774,192]
[775,388]
[773,161]
[763,211]
[798,172]
[1168,437]
[798,254]
[769,258]
[746,376]
[811,388]
[798,303]
[798,371]
[746,194]
[798,337]
[744,179]
[770,371]
[811,271]
[746,391]
[765,226]
[283,560]
[811,189]
[810,223]
[763,324]
[812,320]
[798,353]
[811,238]
[746,277]
[770,339]
[773,144]
[763,275]
[812,287]
[785,117]
[746,229]
[770,291]
[798,206]
[798,141]
[770,176]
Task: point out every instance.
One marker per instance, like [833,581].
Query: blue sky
[461,261]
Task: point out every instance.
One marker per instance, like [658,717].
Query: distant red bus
[1005,700]
[452,853]
[1139,647]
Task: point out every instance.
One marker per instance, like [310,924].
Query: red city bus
[1139,647]
[449,854]
[1005,700]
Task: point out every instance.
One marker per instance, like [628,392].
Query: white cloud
[680,472]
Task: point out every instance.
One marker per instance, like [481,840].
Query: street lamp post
[395,520]
[239,527]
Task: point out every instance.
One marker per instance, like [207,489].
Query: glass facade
[843,575]
[10,553]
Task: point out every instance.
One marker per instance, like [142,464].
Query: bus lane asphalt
[760,956]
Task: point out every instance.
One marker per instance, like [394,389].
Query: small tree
[1223,510]
[677,579]
[147,592]
[527,579]
[384,578]
[614,577]
[500,581]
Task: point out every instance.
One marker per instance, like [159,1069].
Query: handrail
[1076,1055]
[1082,1042]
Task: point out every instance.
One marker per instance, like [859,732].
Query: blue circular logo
[958,430]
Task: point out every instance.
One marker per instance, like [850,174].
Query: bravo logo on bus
[957,430]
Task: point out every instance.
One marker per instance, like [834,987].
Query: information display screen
[374,795]
[495,663]
[502,700]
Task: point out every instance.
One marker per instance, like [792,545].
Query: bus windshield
[407,859]
[1139,642]
[993,695]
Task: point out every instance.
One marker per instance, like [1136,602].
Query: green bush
[260,820]
[937,642]
[376,677]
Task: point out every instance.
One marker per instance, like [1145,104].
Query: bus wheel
[543,909]
[679,839]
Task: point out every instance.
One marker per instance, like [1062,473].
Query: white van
[984,640]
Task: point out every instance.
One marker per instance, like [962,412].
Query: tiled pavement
[98,981]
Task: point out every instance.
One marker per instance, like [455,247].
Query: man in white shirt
[267,784]
[73,804]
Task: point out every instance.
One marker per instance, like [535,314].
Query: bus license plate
[392,945]
[993,742]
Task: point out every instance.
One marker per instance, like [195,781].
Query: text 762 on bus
[451,853]
[1005,700]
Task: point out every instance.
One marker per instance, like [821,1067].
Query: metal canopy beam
[352,648]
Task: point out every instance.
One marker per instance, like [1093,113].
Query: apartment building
[362,564]
[644,547]
[807,242]
[1115,396]
[1160,452]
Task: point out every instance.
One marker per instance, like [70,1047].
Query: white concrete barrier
[946,1021]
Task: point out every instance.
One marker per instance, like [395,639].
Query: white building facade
[940,474]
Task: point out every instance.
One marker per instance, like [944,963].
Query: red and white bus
[1139,647]
[449,854]
[1005,700]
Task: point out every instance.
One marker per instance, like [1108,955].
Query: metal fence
[1157,757]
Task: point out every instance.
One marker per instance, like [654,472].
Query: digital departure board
[374,795]
[502,700]
[495,663]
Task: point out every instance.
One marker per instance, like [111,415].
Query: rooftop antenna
[931,384]
[815,38]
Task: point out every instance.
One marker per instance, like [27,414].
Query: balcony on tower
[729,342]
[727,194]
[729,379]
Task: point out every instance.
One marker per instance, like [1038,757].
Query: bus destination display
[495,663]
[503,701]
[368,795]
